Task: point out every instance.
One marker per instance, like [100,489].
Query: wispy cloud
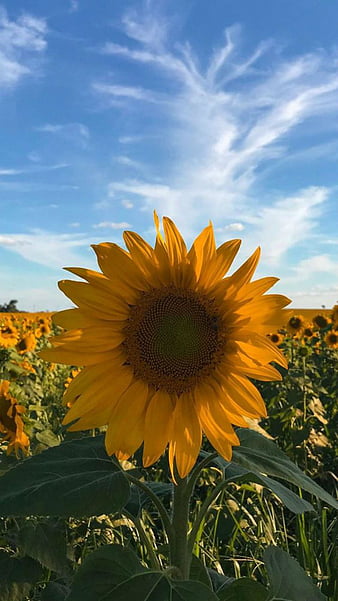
[227,122]
[40,246]
[75,132]
[21,42]
[32,169]
[112,225]
[118,92]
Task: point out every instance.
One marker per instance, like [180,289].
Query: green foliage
[114,573]
[287,579]
[270,528]
[75,479]
[17,576]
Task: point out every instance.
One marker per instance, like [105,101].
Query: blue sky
[223,110]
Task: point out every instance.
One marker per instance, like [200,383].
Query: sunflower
[320,321]
[334,314]
[26,344]
[8,336]
[331,339]
[276,338]
[42,330]
[308,332]
[295,324]
[11,424]
[167,345]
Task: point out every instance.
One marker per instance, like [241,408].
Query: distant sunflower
[334,314]
[295,324]
[320,321]
[331,339]
[11,424]
[8,336]
[276,338]
[308,332]
[168,345]
[26,344]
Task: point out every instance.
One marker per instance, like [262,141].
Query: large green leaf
[260,455]
[17,576]
[139,499]
[54,591]
[199,572]
[114,573]
[243,589]
[288,581]
[75,479]
[46,542]
[292,501]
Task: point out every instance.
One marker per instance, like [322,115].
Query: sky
[221,110]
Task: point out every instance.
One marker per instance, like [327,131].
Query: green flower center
[173,338]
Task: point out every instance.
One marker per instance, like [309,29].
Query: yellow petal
[203,251]
[101,397]
[157,427]
[245,272]
[126,426]
[102,302]
[70,319]
[187,434]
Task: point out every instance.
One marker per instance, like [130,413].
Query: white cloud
[306,268]
[76,132]
[234,227]
[21,42]
[47,248]
[127,204]
[74,6]
[288,221]
[131,92]
[112,225]
[228,122]
[128,162]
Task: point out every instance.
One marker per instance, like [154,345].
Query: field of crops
[247,516]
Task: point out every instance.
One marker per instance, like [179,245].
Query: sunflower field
[77,525]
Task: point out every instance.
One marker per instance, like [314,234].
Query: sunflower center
[173,338]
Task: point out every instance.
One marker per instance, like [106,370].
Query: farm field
[302,419]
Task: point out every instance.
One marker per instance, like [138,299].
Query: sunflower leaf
[262,456]
[74,479]
[45,542]
[17,576]
[292,501]
[243,589]
[114,573]
[288,581]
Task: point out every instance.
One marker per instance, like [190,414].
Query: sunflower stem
[180,519]
[207,503]
[167,525]
[144,539]
[196,471]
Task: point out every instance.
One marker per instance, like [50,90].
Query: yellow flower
[8,336]
[42,330]
[11,424]
[331,339]
[276,338]
[168,345]
[308,332]
[334,314]
[320,321]
[295,324]
[26,344]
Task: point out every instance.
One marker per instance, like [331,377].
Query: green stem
[144,539]
[195,473]
[179,553]
[202,513]
[167,525]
